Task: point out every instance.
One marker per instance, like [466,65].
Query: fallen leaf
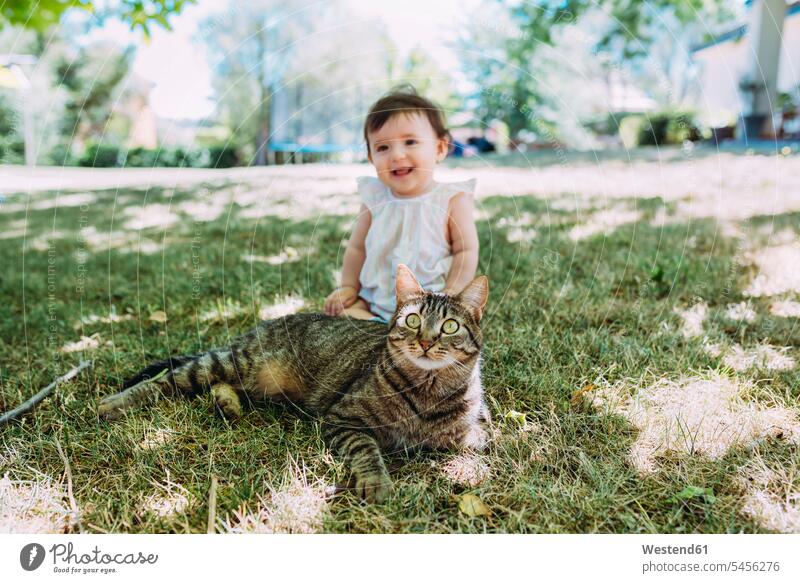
[516,417]
[471,505]
[158,316]
[690,492]
[576,396]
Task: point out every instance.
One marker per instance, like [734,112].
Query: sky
[177,65]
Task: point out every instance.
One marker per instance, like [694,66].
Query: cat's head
[435,330]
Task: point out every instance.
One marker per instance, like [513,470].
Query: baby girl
[406,216]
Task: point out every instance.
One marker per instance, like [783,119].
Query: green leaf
[515,417]
[471,505]
[693,492]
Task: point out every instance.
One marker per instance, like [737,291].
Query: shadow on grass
[564,311]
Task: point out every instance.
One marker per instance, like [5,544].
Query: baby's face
[405,151]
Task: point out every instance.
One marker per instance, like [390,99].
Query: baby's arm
[463,243]
[346,294]
[356,252]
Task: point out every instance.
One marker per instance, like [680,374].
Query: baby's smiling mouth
[402,171]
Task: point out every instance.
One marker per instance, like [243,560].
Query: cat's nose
[425,344]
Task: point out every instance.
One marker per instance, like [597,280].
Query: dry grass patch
[85,343]
[772,498]
[156,438]
[467,469]
[287,255]
[775,276]
[122,240]
[297,506]
[605,222]
[762,356]
[696,415]
[202,211]
[283,307]
[741,312]
[34,507]
[168,500]
[112,318]
[149,216]
[693,319]
[785,309]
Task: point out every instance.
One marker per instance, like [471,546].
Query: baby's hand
[339,299]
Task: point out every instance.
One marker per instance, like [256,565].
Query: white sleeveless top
[409,230]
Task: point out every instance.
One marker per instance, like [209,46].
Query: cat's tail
[156,368]
[184,376]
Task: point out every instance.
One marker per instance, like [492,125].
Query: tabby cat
[415,383]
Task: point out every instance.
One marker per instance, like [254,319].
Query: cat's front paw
[373,487]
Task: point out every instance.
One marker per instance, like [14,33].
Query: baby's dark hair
[405,99]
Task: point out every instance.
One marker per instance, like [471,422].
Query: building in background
[752,72]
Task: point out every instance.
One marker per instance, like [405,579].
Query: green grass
[561,315]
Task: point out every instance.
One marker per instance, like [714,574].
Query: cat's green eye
[450,327]
[413,321]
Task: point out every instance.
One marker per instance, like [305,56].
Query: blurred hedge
[109,156]
[659,129]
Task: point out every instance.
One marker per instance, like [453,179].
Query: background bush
[109,156]
[100,156]
[668,127]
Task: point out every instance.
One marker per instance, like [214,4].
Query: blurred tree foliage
[511,85]
[139,14]
[289,71]
[91,80]
[249,49]
[12,148]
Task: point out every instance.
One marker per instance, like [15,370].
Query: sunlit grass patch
[117,239]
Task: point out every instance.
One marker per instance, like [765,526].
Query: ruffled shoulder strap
[448,190]
[371,189]
[467,186]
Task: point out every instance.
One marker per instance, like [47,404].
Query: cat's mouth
[427,363]
[425,360]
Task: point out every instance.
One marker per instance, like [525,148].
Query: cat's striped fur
[415,383]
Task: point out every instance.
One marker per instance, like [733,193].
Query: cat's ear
[407,285]
[474,296]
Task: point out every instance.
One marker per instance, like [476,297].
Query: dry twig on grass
[28,405]
[68,471]
[212,506]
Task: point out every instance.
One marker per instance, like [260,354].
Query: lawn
[641,343]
